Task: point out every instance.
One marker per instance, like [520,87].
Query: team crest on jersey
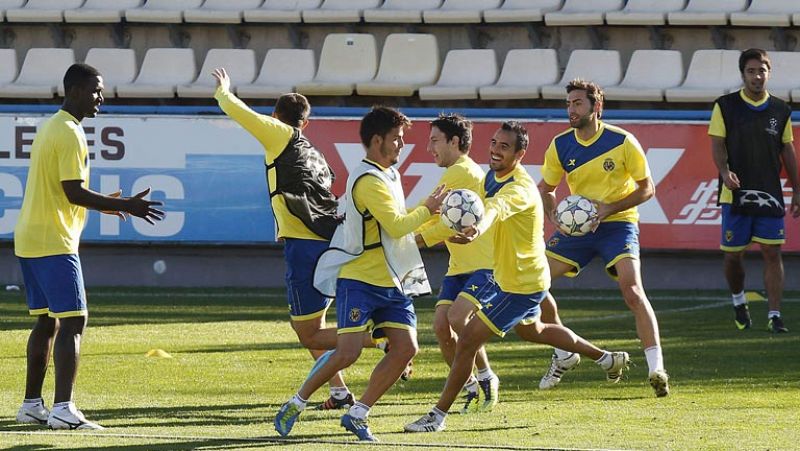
[355,314]
[728,235]
[608,165]
[553,242]
[773,127]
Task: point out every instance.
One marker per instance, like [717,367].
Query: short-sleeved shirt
[49,224]
[604,169]
[464,259]
[717,129]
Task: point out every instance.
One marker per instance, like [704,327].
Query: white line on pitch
[286,441]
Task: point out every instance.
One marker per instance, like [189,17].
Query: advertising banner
[210,174]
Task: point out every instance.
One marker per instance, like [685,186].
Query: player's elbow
[648,190]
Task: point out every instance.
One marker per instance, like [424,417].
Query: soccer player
[607,165]
[470,266]
[46,240]
[374,267]
[521,274]
[299,181]
[751,138]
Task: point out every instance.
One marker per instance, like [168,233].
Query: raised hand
[143,208]
[434,201]
[222,78]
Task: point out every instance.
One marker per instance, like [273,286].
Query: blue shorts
[612,241]
[466,285]
[301,256]
[738,231]
[54,285]
[505,310]
[361,307]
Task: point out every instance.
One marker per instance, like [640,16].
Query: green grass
[236,360]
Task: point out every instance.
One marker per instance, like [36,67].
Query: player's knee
[306,338]
[635,297]
[46,326]
[772,254]
[404,350]
[343,358]
[441,327]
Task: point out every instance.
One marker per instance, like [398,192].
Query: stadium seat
[644,12]
[408,61]
[239,63]
[280,11]
[603,67]
[582,12]
[524,72]
[42,11]
[281,70]
[118,67]
[8,66]
[346,59]
[706,12]
[767,13]
[783,76]
[649,73]
[463,73]
[220,11]
[101,11]
[711,74]
[339,11]
[161,11]
[459,11]
[162,70]
[9,4]
[521,11]
[41,74]
[400,11]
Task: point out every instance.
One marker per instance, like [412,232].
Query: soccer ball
[461,208]
[574,215]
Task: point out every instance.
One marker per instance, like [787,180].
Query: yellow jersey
[274,136]
[514,206]
[375,202]
[604,169]
[464,259]
[48,223]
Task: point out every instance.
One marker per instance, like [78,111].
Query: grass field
[235,360]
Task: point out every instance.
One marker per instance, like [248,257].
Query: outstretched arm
[135,205]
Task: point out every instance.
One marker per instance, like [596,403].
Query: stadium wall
[219,230]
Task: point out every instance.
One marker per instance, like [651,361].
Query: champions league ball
[461,208]
[574,215]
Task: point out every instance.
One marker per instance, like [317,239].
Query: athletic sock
[485,374]
[655,359]
[561,354]
[32,402]
[339,393]
[738,299]
[605,361]
[298,401]
[471,385]
[62,405]
[359,410]
[773,313]
[438,414]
